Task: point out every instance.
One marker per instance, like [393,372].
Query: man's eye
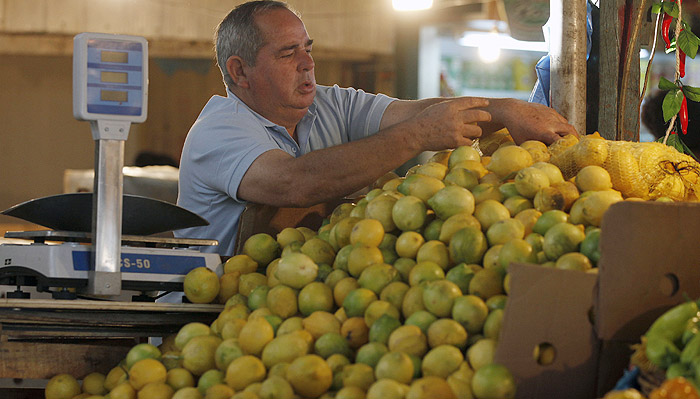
[287,55]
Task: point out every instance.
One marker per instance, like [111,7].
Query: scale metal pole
[109,136]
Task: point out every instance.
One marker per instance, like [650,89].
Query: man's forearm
[325,174]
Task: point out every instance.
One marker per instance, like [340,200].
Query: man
[281,140]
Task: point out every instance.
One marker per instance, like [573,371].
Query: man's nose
[306,61]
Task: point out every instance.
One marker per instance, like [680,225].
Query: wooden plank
[79,304]
[26,318]
[364,26]
[44,360]
[38,44]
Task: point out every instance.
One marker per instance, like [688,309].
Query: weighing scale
[102,242]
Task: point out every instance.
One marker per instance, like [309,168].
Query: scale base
[148,264]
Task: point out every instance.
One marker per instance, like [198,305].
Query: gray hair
[237,34]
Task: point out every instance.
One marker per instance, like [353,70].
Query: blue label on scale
[145,263]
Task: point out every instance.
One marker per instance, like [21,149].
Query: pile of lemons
[399,295]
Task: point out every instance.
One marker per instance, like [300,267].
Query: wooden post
[621,23]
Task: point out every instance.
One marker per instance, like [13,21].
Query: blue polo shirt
[228,136]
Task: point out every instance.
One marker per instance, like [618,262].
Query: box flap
[549,306]
[650,261]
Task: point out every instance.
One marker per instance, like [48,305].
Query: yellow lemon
[155,390]
[386,388]
[93,384]
[62,386]
[255,335]
[219,391]
[396,366]
[289,235]
[509,159]
[284,349]
[189,331]
[282,301]
[296,270]
[380,209]
[201,285]
[244,371]
[431,387]
[408,339]
[179,378]
[262,248]
[241,263]
[275,387]
[146,371]
[446,332]
[310,376]
[228,285]
[115,376]
[198,355]
[441,361]
[369,232]
[432,169]
[123,391]
[593,178]
[463,153]
[409,213]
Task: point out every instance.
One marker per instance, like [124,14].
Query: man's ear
[234,67]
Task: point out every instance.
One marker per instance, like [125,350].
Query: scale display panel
[110,77]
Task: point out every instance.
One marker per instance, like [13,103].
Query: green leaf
[674,141]
[688,42]
[665,84]
[672,103]
[692,93]
[670,8]
[655,8]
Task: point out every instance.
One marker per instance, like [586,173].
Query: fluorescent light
[502,41]
[489,54]
[411,5]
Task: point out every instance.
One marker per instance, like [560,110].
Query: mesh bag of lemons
[400,294]
[642,170]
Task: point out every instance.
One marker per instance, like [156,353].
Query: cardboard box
[649,263]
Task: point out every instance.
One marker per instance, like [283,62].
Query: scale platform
[56,260]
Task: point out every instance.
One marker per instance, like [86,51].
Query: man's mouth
[306,87]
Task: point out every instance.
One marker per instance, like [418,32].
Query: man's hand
[449,123]
[530,121]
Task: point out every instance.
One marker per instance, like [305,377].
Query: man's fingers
[566,129]
[472,131]
[475,115]
[464,103]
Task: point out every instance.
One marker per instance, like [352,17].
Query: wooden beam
[59,44]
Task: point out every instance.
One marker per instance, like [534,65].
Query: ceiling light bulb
[411,5]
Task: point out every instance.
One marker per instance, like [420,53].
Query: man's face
[282,82]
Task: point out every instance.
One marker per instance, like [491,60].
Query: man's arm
[278,179]
[524,120]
